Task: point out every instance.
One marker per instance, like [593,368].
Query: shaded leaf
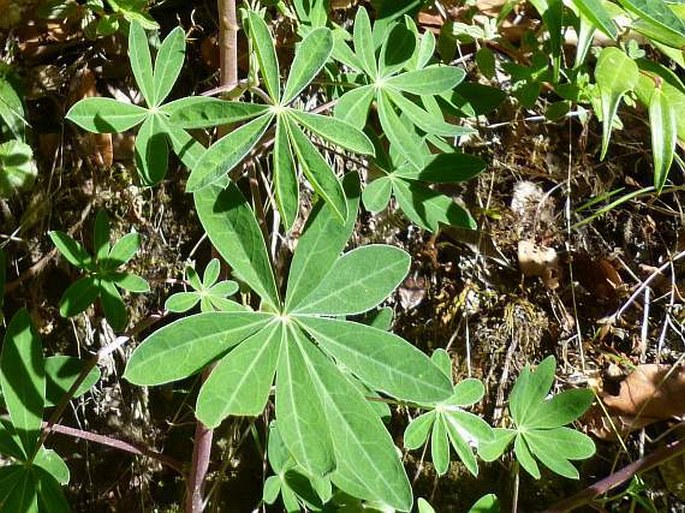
[70,249]
[113,305]
[79,296]
[60,374]
[152,151]
[18,170]
[430,81]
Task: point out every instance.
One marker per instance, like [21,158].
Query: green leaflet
[353,106]
[363,42]
[382,360]
[530,390]
[594,11]
[662,122]
[227,153]
[184,347]
[658,13]
[201,112]
[340,133]
[70,249]
[60,373]
[424,120]
[376,195]
[232,227]
[113,305]
[358,281]
[286,186]
[431,80]
[79,296]
[440,447]
[397,132]
[22,378]
[141,62]
[266,55]
[317,170]
[106,115]
[18,170]
[168,64]
[152,150]
[101,233]
[186,147]
[241,382]
[616,74]
[397,48]
[451,168]
[23,496]
[311,55]
[123,250]
[52,463]
[320,245]
[50,496]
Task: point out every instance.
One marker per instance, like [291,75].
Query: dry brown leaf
[537,260]
[597,275]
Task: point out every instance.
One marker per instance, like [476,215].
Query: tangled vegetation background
[533,181]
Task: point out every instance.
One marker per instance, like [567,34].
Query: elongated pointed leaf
[440,449]
[187,149]
[616,74]
[22,377]
[61,372]
[431,80]
[656,12]
[233,229]
[662,123]
[130,282]
[429,208]
[594,11]
[241,382]
[561,409]
[70,249]
[321,243]
[398,47]
[152,151]
[227,153]
[210,112]
[286,186]
[266,54]
[79,296]
[424,120]
[353,106]
[398,134]
[182,301]
[459,438]
[106,115]
[23,497]
[382,360]
[363,42]
[310,56]
[50,496]
[525,458]
[342,52]
[670,84]
[490,451]
[418,430]
[299,409]
[317,171]
[367,464]
[124,249]
[141,62]
[554,447]
[168,63]
[452,168]
[184,347]
[358,281]
[340,133]
[113,305]
[530,390]
[10,444]
[101,235]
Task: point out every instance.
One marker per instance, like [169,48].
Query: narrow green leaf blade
[70,249]
[184,347]
[152,151]
[266,54]
[22,378]
[358,281]
[141,62]
[50,496]
[227,153]
[286,185]
[423,119]
[656,12]
[340,133]
[398,134]
[185,147]
[525,458]
[168,63]
[106,115]
[79,296]
[241,382]
[662,123]
[363,42]
[397,49]
[430,81]
[530,390]
[130,282]
[440,448]
[382,360]
[113,305]
[561,409]
[233,230]
[451,168]
[554,447]
[310,56]
[101,234]
[202,112]
[418,430]
[460,437]
[353,106]
[321,243]
[317,171]
[594,11]
[124,250]
[23,498]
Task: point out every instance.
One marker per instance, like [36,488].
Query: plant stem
[228,43]
[515,492]
[610,482]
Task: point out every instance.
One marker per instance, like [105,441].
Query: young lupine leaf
[233,230]
[123,250]
[398,47]
[320,245]
[616,74]
[209,112]
[440,448]
[431,80]
[152,150]
[299,408]
[227,153]
[186,147]
[211,273]
[23,497]
[61,372]
[342,52]
[426,50]
[50,496]
[397,132]
[367,464]
[455,434]
[266,55]
[363,42]
[10,476]
[286,187]
[22,378]
[451,168]
[53,464]
[530,390]
[106,115]
[182,301]
[486,504]
[358,281]
[376,195]
[353,106]
[336,131]
[442,360]
[101,234]
[555,447]
[70,249]
[662,122]
[168,63]
[594,11]
[492,450]
[79,296]
[129,282]
[561,409]
[10,444]
[241,381]
[141,62]
[113,305]
[424,120]
[310,56]
[525,458]
[381,360]
[656,12]
[224,288]
[184,347]
[428,208]
[467,392]
[317,170]
[418,430]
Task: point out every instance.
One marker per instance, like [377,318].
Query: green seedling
[447,423]
[540,430]
[209,292]
[103,275]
